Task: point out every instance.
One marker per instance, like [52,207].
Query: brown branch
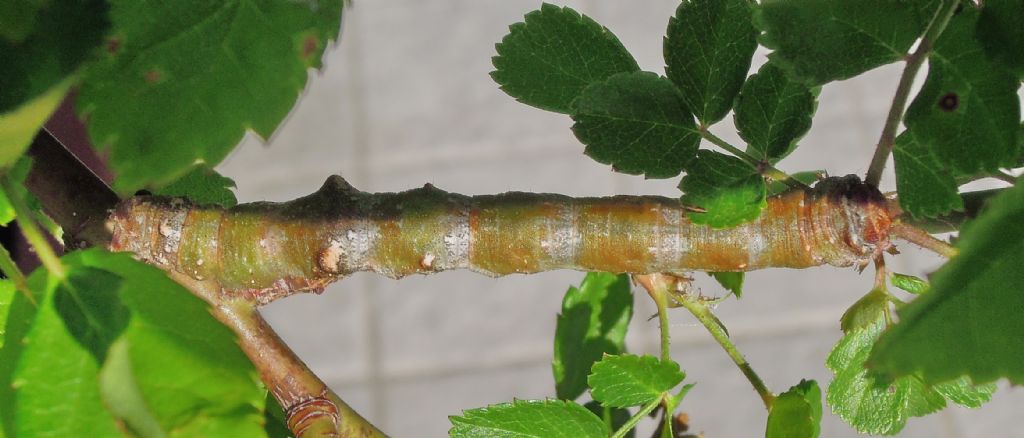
[921,238]
[311,408]
[899,100]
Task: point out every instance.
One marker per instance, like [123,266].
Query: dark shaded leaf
[547,60]
[91,309]
[593,322]
[926,189]
[773,112]
[638,123]
[202,185]
[708,48]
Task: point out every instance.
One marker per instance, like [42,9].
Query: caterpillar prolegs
[262,251]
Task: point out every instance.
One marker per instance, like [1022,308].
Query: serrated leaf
[875,406]
[909,283]
[731,281]
[926,188]
[630,380]
[56,387]
[967,111]
[1000,31]
[729,190]
[241,66]
[202,185]
[773,112]
[965,393]
[592,323]
[42,46]
[707,48]
[187,367]
[92,311]
[964,323]
[827,40]
[638,123]
[796,413]
[7,291]
[529,418]
[548,59]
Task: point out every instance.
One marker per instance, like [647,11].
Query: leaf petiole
[766,169]
[631,423]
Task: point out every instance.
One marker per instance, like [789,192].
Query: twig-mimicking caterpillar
[262,251]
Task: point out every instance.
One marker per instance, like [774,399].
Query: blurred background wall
[405,99]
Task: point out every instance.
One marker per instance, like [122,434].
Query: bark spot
[330,258]
[427,262]
[113,45]
[309,45]
[153,76]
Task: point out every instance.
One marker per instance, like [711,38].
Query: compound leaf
[773,112]
[638,123]
[182,82]
[549,58]
[630,380]
[967,112]
[796,413]
[593,322]
[529,418]
[202,185]
[729,190]
[827,40]
[971,313]
[926,188]
[708,48]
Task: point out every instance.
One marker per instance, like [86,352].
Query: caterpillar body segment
[263,250]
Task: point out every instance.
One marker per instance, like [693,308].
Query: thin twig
[899,100]
[921,238]
[764,167]
[311,408]
[663,284]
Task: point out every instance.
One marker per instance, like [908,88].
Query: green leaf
[186,366]
[16,174]
[708,48]
[796,413]
[638,123]
[19,126]
[909,283]
[617,417]
[529,418]
[18,18]
[630,380]
[274,419]
[926,188]
[91,309]
[967,113]
[827,40]
[547,60]
[593,322]
[729,190]
[731,281]
[20,312]
[56,385]
[1000,31]
[773,112]
[224,67]
[807,177]
[202,185]
[964,324]
[7,291]
[877,406]
[865,312]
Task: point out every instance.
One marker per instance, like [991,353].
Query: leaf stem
[921,238]
[631,423]
[47,256]
[10,268]
[703,313]
[659,286]
[899,100]
[764,167]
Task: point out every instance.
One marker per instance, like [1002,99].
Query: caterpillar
[262,251]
